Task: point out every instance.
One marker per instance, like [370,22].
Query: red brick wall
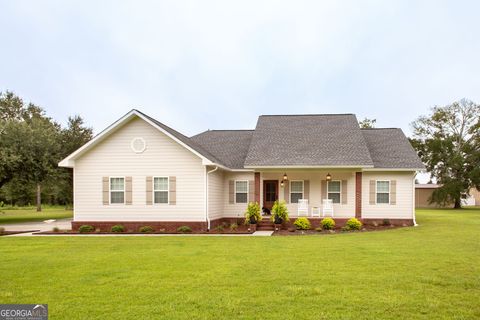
[358,195]
[257,187]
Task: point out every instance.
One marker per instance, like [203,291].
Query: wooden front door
[270,193]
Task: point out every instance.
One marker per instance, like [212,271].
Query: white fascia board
[394,169]
[70,163]
[307,167]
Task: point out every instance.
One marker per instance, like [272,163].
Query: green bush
[220,228]
[302,224]
[146,229]
[280,211]
[56,229]
[327,224]
[353,224]
[118,228]
[386,222]
[234,227]
[86,228]
[252,213]
[319,229]
[184,229]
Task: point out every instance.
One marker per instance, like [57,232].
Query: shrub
[184,229]
[346,228]
[220,228]
[118,228]
[302,223]
[327,224]
[279,211]
[386,222]
[146,229]
[319,229]
[55,229]
[234,227]
[2,230]
[86,228]
[353,224]
[252,214]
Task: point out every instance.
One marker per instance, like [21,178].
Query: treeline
[31,145]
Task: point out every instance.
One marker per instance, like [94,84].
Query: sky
[198,65]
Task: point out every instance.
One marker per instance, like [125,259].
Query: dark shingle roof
[308,140]
[390,148]
[231,146]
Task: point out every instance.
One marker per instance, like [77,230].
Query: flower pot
[277,220]
[253,220]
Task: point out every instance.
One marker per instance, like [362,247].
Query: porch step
[265,225]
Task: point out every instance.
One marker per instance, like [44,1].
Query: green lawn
[428,272]
[26,214]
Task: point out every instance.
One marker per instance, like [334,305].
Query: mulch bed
[67,232]
[7,233]
[366,228]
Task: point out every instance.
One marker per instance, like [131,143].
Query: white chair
[315,212]
[303,207]
[327,207]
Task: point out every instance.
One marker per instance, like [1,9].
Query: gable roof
[323,140]
[390,149]
[231,146]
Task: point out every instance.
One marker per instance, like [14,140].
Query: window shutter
[106,190]
[306,189]
[251,191]
[372,192]
[172,190]
[231,192]
[128,190]
[344,192]
[324,190]
[393,192]
[286,191]
[148,189]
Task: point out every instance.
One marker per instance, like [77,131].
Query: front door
[270,193]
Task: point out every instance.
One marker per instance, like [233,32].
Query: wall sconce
[285,177]
[329,177]
[281,184]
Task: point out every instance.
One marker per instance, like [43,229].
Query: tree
[367,123]
[448,142]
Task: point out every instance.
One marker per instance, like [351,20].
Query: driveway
[38,225]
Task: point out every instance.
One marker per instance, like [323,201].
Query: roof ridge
[307,114]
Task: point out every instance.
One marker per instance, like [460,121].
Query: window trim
[389,191]
[290,189]
[235,191]
[153,191]
[339,192]
[110,190]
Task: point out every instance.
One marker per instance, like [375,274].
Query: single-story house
[139,172]
[423,193]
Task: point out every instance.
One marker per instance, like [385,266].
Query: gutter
[413,198]
[206,197]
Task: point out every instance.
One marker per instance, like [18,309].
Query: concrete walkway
[37,225]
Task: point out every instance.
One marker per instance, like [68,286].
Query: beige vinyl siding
[235,209]
[162,157]
[314,177]
[403,209]
[216,193]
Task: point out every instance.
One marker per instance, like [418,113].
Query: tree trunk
[39,197]
[458,204]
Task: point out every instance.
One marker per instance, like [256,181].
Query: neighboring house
[140,172]
[423,193]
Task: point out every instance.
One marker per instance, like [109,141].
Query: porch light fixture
[285,177]
[329,177]
[281,184]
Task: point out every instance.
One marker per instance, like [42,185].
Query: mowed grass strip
[428,272]
[29,214]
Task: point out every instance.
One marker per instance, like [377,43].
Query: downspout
[207,218]
[413,199]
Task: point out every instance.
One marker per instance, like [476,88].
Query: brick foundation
[134,226]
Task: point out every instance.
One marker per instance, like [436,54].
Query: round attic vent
[138,145]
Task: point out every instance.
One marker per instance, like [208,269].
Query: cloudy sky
[196,65]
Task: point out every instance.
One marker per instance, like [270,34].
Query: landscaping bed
[366,228]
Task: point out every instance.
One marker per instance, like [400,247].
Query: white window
[334,189]
[296,190]
[241,191]
[117,190]
[160,189]
[383,192]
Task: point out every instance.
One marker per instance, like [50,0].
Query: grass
[428,272]
[28,214]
